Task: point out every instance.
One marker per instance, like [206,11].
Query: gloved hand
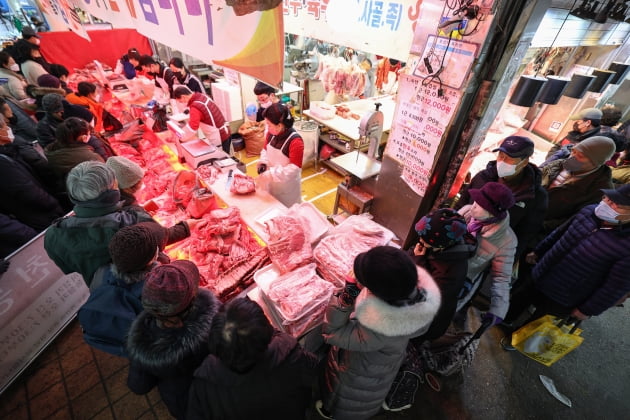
[491,319]
[350,291]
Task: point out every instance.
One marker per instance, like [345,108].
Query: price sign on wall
[419,124]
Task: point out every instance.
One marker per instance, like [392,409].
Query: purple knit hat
[495,198]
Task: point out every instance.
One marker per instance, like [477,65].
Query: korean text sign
[36,301]
[419,123]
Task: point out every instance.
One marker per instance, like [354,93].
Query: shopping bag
[547,339]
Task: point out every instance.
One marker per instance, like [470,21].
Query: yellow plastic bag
[547,339]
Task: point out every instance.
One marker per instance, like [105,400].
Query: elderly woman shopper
[280,164]
[80,242]
[443,249]
[368,326]
[169,339]
[488,219]
[129,175]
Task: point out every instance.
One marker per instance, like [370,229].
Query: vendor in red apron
[280,164]
[206,116]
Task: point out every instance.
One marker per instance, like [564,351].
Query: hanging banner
[62,13]
[382,27]
[419,123]
[246,39]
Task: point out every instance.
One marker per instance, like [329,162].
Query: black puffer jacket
[24,196]
[528,214]
[278,387]
[167,358]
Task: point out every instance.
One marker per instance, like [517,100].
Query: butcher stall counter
[349,127]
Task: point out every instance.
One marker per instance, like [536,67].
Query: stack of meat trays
[296,300]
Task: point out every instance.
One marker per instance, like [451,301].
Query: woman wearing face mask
[488,220]
[24,196]
[280,164]
[184,77]
[513,169]
[15,82]
[266,96]
[88,97]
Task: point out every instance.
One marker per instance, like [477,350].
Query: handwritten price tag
[419,123]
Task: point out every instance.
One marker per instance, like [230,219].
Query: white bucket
[309,131]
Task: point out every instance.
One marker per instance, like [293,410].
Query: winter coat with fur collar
[368,345]
[168,357]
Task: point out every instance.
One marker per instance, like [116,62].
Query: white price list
[419,123]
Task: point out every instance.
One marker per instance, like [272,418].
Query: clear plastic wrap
[300,298]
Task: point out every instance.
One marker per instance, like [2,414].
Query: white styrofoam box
[228,99]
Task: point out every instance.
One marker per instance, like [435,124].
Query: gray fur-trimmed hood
[393,321]
[158,349]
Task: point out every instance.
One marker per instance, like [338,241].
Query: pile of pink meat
[223,248]
[308,277]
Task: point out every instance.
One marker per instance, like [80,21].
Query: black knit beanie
[388,272]
[133,247]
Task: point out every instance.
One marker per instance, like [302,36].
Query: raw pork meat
[300,297]
[289,246]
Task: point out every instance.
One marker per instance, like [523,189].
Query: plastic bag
[547,339]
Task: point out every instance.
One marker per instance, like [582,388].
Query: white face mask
[479,213]
[505,169]
[14,67]
[267,104]
[606,213]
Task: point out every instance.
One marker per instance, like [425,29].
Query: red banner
[107,46]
